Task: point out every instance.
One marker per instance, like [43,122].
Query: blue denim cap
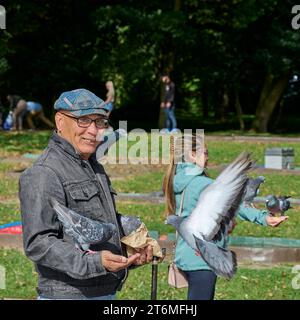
[80,102]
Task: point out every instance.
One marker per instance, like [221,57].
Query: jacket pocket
[83,192]
[84,198]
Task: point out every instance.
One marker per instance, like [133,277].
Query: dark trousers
[201,284]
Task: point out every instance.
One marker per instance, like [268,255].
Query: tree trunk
[278,114]
[271,93]
[223,104]
[239,111]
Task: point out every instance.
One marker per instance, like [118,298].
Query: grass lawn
[220,151]
[276,183]
[9,212]
[23,142]
[248,284]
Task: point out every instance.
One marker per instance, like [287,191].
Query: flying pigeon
[84,231]
[129,224]
[214,213]
[252,189]
[278,205]
[108,141]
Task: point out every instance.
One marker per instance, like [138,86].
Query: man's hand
[113,262]
[168,105]
[275,221]
[162,105]
[146,255]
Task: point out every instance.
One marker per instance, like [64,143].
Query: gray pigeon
[252,189]
[108,141]
[278,205]
[84,231]
[215,210]
[129,224]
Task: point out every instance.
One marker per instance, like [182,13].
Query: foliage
[210,47]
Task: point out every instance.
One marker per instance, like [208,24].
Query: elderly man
[68,171]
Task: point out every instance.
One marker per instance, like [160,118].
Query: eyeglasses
[85,122]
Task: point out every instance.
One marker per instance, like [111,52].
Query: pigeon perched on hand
[84,231]
[252,189]
[278,205]
[108,141]
[214,213]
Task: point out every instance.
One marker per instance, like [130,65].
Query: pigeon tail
[62,216]
[223,262]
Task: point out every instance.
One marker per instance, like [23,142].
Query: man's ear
[59,121]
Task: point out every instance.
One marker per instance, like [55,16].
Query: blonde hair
[110,84]
[180,148]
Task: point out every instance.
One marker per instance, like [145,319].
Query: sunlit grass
[248,284]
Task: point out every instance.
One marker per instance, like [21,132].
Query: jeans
[170,120]
[201,284]
[109,106]
[108,297]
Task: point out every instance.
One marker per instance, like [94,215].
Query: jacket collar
[62,143]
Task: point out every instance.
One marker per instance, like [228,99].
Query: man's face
[84,140]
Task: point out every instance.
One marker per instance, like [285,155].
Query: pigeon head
[284,203]
[271,200]
[130,224]
[174,221]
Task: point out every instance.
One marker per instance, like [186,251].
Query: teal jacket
[191,177]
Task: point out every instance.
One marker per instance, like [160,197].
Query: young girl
[184,181]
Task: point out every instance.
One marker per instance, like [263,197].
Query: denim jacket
[83,186]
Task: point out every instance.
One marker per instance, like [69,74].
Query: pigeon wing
[220,199]
[252,187]
[223,262]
